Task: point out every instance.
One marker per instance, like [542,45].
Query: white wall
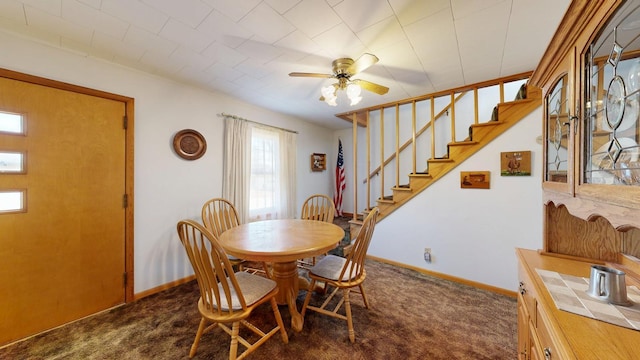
[168,188]
[472,233]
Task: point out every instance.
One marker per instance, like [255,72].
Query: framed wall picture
[515,163]
[318,162]
[475,179]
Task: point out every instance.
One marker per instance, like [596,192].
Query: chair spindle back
[318,207]
[219,215]
[218,286]
[354,266]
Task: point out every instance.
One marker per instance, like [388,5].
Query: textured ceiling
[247,48]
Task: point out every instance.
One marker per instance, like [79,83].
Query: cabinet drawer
[546,348]
[527,293]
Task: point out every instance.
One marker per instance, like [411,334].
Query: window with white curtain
[259,171]
[264,188]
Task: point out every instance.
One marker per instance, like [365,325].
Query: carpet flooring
[412,316]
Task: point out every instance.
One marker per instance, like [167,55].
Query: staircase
[509,113]
[480,134]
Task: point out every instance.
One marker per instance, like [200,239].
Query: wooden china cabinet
[590,78]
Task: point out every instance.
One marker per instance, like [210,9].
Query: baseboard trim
[475,284]
[162,287]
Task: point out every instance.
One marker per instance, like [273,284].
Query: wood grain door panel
[64,258]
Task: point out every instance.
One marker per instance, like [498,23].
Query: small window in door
[13,201]
[12,123]
[13,162]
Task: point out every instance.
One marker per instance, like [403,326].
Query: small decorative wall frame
[318,162]
[475,179]
[515,163]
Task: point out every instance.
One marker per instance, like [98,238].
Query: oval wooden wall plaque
[189,144]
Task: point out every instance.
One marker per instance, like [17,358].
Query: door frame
[129,138]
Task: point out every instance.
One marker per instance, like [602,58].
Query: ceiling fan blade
[316,75]
[363,62]
[373,87]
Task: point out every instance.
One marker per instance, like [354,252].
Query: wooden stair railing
[480,134]
[376,171]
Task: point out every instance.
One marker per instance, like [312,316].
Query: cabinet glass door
[612,95]
[557,123]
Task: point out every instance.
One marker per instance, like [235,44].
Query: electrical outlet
[427,255]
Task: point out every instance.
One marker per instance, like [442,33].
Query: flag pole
[341,183]
[354,157]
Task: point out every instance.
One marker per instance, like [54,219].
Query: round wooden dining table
[282,242]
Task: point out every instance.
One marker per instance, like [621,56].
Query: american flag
[341,184]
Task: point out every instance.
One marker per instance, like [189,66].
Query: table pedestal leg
[286,276]
[303,283]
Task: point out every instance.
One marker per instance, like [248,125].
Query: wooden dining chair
[227,298]
[344,274]
[220,215]
[317,207]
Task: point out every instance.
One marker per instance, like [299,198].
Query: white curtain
[288,181]
[259,170]
[237,165]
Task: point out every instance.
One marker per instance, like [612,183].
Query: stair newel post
[501,86]
[368,161]
[475,105]
[354,127]
[433,128]
[413,135]
[382,153]
[453,117]
[397,145]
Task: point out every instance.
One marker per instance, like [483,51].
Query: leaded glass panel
[612,101]
[557,102]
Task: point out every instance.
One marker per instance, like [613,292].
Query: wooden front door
[63,258]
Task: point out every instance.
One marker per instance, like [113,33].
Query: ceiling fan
[343,70]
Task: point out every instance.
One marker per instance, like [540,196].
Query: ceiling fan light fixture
[329,95]
[353,93]
[343,70]
[355,101]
